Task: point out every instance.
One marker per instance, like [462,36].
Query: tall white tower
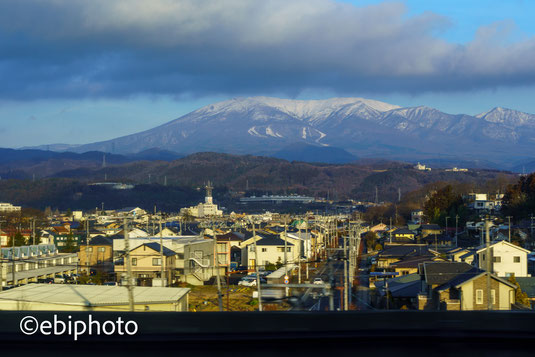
[208,199]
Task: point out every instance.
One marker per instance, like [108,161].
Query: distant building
[277,199]
[206,209]
[8,208]
[421,167]
[457,169]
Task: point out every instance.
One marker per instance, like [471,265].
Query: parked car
[318,281]
[250,281]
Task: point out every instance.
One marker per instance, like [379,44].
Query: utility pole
[390,231]
[128,267]
[331,281]
[285,250]
[489,263]
[161,254]
[456,230]
[299,259]
[13,260]
[219,295]
[509,227]
[346,295]
[33,231]
[256,268]
[87,245]
[447,233]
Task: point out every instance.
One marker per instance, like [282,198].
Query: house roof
[433,227]
[484,247]
[404,250]
[527,285]
[231,236]
[156,246]
[101,240]
[403,286]
[403,231]
[91,295]
[464,278]
[412,262]
[439,273]
[272,240]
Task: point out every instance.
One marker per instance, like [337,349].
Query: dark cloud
[101,48]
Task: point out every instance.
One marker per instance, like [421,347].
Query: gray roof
[527,285]
[91,295]
[156,246]
[438,273]
[272,240]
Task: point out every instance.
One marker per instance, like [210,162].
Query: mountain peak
[507,116]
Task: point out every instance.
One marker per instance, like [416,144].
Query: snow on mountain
[363,127]
[507,117]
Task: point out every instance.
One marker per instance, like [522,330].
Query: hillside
[262,174]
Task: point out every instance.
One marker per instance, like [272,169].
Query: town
[464,255]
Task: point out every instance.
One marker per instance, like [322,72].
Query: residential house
[429,229]
[393,253]
[194,259]
[270,250]
[460,286]
[146,262]
[97,255]
[409,265]
[403,235]
[461,255]
[507,259]
[402,291]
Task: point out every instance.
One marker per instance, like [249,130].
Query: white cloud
[114,48]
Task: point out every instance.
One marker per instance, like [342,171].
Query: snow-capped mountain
[363,127]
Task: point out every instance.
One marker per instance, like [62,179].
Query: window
[493,296]
[101,249]
[264,250]
[479,296]
[90,249]
[156,261]
[134,261]
[516,259]
[497,259]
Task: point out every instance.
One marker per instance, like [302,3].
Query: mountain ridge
[362,127]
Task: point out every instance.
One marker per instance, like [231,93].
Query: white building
[206,209]
[507,259]
[270,250]
[34,262]
[421,167]
[68,297]
[8,208]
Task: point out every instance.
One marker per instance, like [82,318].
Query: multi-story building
[194,258]
[8,208]
[26,264]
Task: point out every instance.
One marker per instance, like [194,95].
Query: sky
[76,71]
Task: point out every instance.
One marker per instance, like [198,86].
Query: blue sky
[78,71]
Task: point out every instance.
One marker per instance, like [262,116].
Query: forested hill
[262,174]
